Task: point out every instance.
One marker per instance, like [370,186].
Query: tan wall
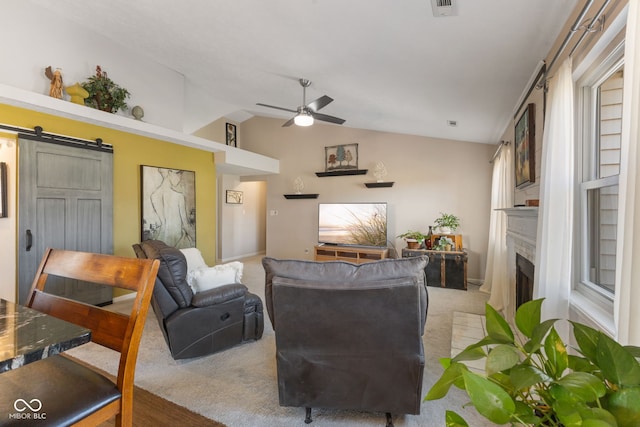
[430,176]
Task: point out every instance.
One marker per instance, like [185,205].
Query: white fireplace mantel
[522,229]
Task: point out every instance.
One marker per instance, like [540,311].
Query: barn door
[65,201]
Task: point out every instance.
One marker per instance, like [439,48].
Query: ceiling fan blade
[319,103]
[288,123]
[325,118]
[277,108]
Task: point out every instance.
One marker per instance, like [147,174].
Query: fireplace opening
[524,280]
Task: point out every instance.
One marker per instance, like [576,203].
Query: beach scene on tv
[361,224]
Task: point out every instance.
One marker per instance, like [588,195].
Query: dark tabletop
[28,335]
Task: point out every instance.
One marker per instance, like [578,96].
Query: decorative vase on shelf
[78,94]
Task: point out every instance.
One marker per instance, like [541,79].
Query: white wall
[241,227]
[430,176]
[32,39]
[8,259]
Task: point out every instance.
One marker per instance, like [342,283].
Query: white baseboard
[236,258]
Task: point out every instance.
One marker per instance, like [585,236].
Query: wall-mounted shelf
[301,196]
[378,184]
[343,172]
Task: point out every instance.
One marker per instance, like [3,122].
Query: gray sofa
[348,336]
[203,323]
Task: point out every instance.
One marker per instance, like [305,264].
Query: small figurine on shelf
[298,185]
[380,171]
[56,87]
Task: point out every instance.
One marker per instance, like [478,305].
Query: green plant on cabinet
[413,235]
[447,223]
[534,381]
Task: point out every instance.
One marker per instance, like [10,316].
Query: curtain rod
[502,144]
[577,25]
[38,134]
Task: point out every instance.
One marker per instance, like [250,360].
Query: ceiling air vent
[444,8]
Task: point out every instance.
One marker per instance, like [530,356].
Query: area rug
[238,387]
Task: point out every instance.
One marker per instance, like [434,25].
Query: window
[602,112]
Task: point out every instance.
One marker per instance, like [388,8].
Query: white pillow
[194,259]
[219,275]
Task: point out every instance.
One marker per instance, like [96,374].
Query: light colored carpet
[238,386]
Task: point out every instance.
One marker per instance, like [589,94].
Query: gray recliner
[203,323]
[348,336]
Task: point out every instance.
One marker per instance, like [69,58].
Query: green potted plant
[413,238]
[447,223]
[531,379]
[104,93]
[444,244]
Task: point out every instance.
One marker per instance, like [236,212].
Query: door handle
[29,240]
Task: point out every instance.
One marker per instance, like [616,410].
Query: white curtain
[496,276]
[555,215]
[627,315]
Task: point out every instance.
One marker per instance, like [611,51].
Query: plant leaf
[470,353]
[449,377]
[556,352]
[624,404]
[498,328]
[454,420]
[501,358]
[587,339]
[582,364]
[617,364]
[490,400]
[528,316]
[539,332]
[635,351]
[524,376]
[581,415]
[584,386]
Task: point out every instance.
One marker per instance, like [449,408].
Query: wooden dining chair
[70,392]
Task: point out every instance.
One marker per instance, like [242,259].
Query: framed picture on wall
[231,135]
[3,190]
[234,197]
[341,157]
[168,205]
[525,149]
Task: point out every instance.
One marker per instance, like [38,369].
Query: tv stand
[357,255]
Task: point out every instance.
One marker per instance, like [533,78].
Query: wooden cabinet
[446,269]
[356,255]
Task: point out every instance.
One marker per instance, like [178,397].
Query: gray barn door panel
[65,201]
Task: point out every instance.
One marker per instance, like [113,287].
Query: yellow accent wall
[129,152]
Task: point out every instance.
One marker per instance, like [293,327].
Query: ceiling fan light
[303,119]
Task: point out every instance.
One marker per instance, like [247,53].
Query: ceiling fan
[306,113]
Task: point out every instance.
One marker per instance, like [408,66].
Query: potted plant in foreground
[534,381]
[413,238]
[447,223]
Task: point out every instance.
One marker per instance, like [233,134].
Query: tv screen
[358,224]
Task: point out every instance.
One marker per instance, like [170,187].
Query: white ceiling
[390,65]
